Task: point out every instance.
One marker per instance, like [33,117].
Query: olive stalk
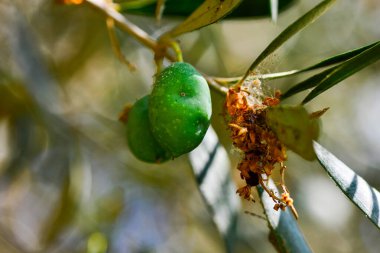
[110,11]
[235,79]
[123,23]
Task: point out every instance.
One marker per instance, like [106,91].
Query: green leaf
[316,79]
[285,234]
[352,185]
[325,63]
[209,12]
[134,4]
[340,57]
[345,70]
[308,83]
[248,8]
[294,127]
[212,170]
[290,31]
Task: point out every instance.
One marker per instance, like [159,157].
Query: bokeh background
[68,182]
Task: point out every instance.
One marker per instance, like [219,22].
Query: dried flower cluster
[246,107]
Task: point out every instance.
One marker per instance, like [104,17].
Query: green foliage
[207,13]
[344,58]
[290,31]
[247,8]
[346,69]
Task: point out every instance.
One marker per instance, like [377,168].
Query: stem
[270,193]
[115,44]
[148,41]
[174,45]
[230,80]
[160,5]
[282,173]
[215,86]
[129,27]
[285,189]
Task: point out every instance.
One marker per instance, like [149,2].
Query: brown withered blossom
[246,107]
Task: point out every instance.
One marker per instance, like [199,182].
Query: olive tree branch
[109,10]
[215,85]
[124,24]
[270,76]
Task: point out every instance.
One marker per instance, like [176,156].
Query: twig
[115,44]
[129,27]
[215,86]
[232,80]
[159,49]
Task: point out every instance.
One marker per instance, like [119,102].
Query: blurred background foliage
[68,182]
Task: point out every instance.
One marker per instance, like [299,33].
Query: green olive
[139,136]
[179,108]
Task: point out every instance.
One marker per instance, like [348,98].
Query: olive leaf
[345,70]
[209,12]
[134,4]
[211,168]
[294,128]
[340,57]
[315,79]
[352,185]
[285,235]
[290,31]
[248,8]
[308,83]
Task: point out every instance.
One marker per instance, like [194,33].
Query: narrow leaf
[274,10]
[134,4]
[308,83]
[209,12]
[285,234]
[294,127]
[340,57]
[316,79]
[325,63]
[353,186]
[345,70]
[212,172]
[290,31]
[247,9]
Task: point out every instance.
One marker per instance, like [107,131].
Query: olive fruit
[179,108]
[139,136]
